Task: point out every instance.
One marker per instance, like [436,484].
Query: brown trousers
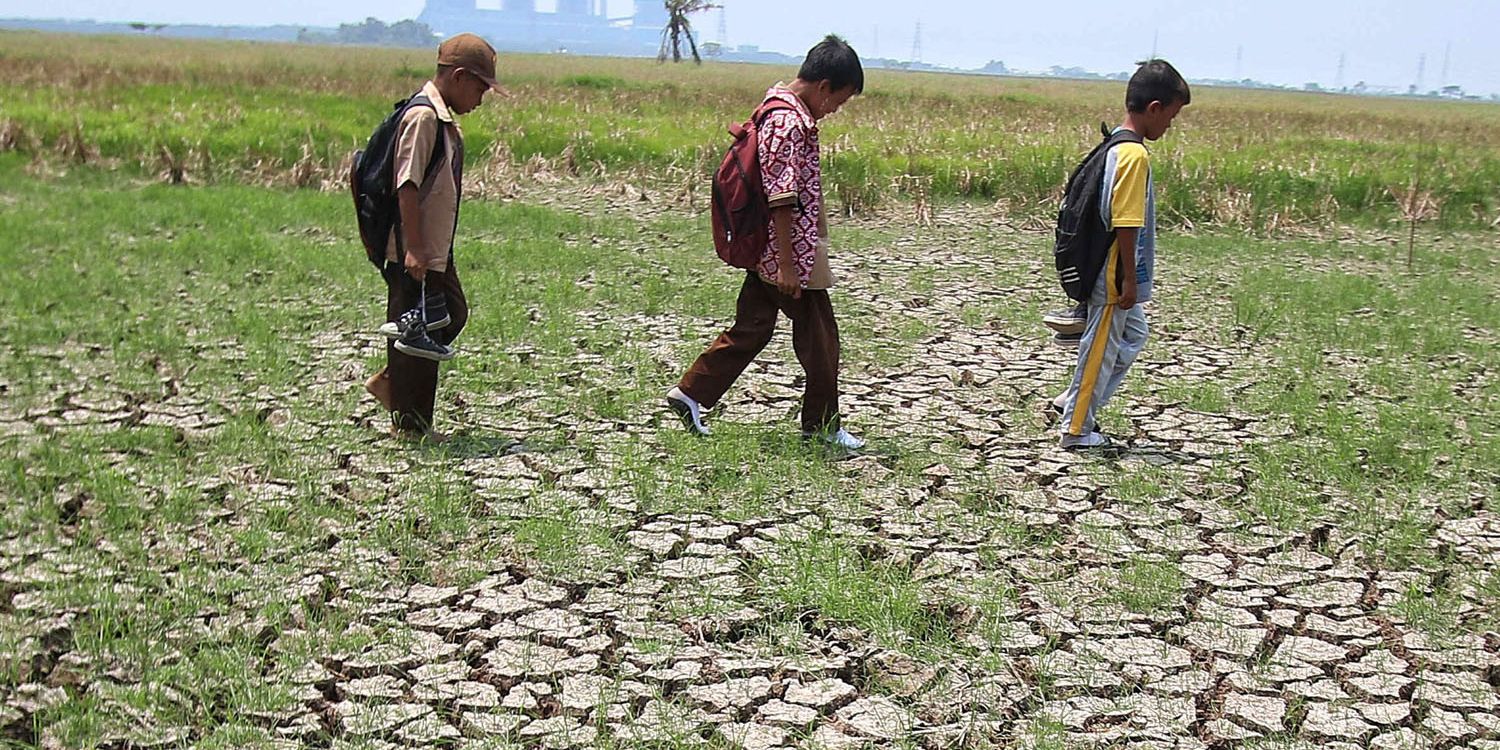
[414,380]
[815,338]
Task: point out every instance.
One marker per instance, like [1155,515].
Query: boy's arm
[1125,238]
[1127,210]
[782,148]
[787,280]
[414,145]
[409,203]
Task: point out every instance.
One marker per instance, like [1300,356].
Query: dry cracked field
[207,541]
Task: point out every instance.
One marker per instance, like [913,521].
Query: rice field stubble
[289,114]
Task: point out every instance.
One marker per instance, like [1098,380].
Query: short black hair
[1156,81]
[834,61]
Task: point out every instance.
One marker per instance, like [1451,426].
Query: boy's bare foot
[379,386]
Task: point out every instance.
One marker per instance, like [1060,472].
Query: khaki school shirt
[437,195]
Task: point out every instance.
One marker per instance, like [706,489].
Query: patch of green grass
[1046,734]
[1373,371]
[825,577]
[1206,397]
[1145,485]
[1433,612]
[1150,586]
[740,473]
[1487,585]
[562,546]
[600,82]
[1277,494]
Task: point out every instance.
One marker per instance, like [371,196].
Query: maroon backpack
[741,213]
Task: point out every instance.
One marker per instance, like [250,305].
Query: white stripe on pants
[1110,344]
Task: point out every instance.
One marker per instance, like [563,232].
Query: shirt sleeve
[1127,203]
[414,142]
[783,146]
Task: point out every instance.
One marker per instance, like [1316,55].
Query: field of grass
[207,542]
[1241,159]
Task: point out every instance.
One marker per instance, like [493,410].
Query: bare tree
[679,27]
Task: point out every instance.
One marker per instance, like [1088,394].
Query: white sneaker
[688,410]
[1094,441]
[839,438]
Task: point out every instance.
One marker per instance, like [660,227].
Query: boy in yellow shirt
[1116,330]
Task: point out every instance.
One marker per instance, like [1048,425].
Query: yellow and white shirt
[1129,200]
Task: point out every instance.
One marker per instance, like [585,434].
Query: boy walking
[1115,332]
[793,276]
[421,280]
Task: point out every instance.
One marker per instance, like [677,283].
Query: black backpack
[370,178]
[1082,244]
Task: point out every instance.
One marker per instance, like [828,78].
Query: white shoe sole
[831,443]
[1108,447]
[1066,325]
[413,351]
[392,332]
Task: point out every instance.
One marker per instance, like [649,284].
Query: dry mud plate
[963,584]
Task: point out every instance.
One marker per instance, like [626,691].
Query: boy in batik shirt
[793,276]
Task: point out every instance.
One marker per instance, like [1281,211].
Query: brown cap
[470,52]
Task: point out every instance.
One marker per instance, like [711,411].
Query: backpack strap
[421,100]
[1111,139]
[1115,138]
[433,161]
[774,104]
[758,118]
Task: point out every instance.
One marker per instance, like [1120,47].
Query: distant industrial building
[581,26]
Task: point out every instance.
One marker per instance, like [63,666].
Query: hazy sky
[1282,41]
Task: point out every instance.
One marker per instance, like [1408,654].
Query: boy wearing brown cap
[419,256]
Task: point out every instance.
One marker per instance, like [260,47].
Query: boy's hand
[416,267]
[787,282]
[1127,294]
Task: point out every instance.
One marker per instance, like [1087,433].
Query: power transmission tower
[723,28]
[1239,62]
[1421,71]
[916,45]
[1338,82]
[1447,52]
[1155,36]
[877,43]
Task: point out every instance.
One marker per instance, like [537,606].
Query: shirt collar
[430,90]
[784,93]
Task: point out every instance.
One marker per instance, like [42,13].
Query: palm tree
[679,27]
